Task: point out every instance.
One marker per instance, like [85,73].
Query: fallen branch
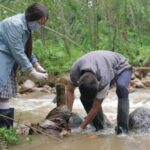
[34,129]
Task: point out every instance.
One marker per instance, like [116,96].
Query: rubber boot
[4,121]
[98,122]
[122,116]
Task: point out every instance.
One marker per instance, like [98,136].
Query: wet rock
[47,124]
[75,120]
[46,89]
[141,72]
[63,133]
[59,121]
[139,120]
[22,129]
[131,89]
[27,86]
[137,83]
[146,81]
[60,115]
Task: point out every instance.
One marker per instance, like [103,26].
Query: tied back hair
[88,85]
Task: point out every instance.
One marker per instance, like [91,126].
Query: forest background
[76,27]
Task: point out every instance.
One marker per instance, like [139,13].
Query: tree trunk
[64,24]
[95,25]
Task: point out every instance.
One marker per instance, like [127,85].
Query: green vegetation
[10,137]
[79,26]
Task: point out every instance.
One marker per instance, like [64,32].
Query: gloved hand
[39,68]
[76,130]
[37,75]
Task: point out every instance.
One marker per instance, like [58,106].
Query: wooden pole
[61,95]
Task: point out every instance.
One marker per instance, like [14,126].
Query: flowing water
[34,107]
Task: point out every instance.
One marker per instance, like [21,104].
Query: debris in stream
[58,121]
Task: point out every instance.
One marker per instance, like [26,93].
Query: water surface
[34,107]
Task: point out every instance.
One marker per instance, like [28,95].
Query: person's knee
[122,91]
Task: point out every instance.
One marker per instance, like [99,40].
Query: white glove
[39,68]
[76,130]
[38,75]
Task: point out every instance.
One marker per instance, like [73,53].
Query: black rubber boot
[4,121]
[98,122]
[122,116]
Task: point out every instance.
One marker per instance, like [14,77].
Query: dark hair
[35,12]
[88,85]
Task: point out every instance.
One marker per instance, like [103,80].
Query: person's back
[104,64]
[15,25]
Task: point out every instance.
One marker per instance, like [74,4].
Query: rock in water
[75,120]
[139,120]
[60,120]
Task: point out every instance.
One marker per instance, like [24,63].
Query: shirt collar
[24,22]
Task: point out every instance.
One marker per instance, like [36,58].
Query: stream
[35,106]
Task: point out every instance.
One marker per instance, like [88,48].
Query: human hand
[39,68]
[76,130]
[38,75]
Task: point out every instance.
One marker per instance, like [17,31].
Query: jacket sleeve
[13,38]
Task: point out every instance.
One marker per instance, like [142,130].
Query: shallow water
[87,142]
[29,109]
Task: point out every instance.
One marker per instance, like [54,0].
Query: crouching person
[93,73]
[16,48]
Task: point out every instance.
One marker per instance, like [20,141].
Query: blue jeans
[122,83]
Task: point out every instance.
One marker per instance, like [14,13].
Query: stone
[75,120]
[146,81]
[27,86]
[139,120]
[137,83]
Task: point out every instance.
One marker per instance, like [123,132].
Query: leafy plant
[10,137]
[121,26]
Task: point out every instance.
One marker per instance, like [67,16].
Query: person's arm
[70,96]
[92,113]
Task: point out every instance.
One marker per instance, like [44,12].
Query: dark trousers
[122,83]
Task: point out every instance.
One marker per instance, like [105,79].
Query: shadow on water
[30,109]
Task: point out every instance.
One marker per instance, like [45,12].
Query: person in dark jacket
[16,50]
[93,73]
